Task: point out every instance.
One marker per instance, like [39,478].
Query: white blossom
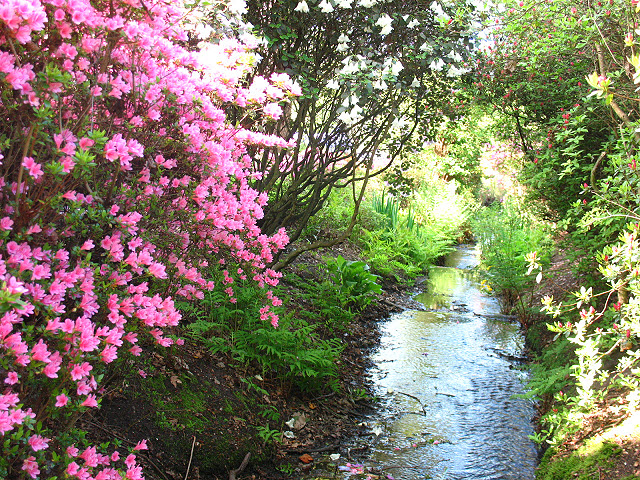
[351,65]
[455,56]
[437,9]
[456,72]
[349,118]
[344,3]
[385,22]
[325,6]
[302,7]
[396,67]
[436,64]
[237,7]
[342,47]
[415,83]
[367,3]
[399,123]
[343,38]
[413,23]
[203,31]
[333,85]
[425,47]
[380,85]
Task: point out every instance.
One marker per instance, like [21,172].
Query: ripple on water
[447,408]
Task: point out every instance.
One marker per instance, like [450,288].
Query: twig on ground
[190,458]
[243,465]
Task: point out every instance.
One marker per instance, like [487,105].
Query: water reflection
[447,409]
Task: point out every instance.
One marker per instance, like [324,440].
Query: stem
[25,151]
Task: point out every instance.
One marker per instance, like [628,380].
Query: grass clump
[586,463]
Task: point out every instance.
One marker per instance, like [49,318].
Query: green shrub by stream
[507,234]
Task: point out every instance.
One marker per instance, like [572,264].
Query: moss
[587,463]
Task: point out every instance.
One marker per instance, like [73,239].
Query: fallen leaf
[306,458]
[300,422]
[312,406]
[175,380]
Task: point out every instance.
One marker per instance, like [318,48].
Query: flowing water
[446,378]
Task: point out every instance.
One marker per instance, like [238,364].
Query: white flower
[349,67]
[367,3]
[345,118]
[344,3]
[455,56]
[325,6]
[333,85]
[425,47]
[334,456]
[399,123]
[349,118]
[436,8]
[436,64]
[380,85]
[456,72]
[237,7]
[385,22]
[413,23]
[415,83]
[203,31]
[343,38]
[342,47]
[396,67]
[302,7]
[377,431]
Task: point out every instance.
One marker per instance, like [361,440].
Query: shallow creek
[446,378]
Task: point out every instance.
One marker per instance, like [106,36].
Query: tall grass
[506,234]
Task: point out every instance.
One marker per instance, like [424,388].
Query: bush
[292,353]
[507,235]
[122,181]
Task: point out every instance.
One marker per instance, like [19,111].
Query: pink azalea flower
[30,465]
[61,400]
[141,445]
[38,442]
[12,378]
[90,401]
[35,169]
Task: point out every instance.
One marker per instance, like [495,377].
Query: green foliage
[587,463]
[506,235]
[291,352]
[388,207]
[354,280]
[408,234]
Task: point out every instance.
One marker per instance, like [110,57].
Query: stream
[446,378]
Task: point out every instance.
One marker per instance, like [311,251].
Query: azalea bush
[123,184]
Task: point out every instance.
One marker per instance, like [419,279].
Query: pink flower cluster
[124,182]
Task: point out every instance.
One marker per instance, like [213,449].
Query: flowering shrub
[123,180]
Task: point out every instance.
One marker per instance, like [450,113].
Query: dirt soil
[199,412]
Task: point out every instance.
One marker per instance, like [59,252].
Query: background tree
[536,72]
[376,77]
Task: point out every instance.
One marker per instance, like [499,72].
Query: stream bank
[445,376]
